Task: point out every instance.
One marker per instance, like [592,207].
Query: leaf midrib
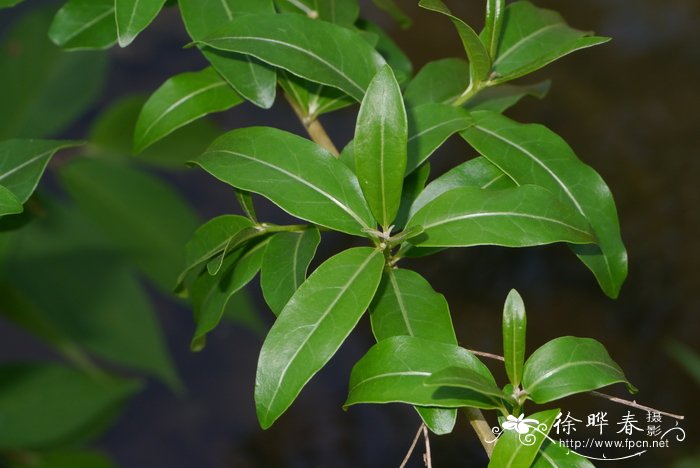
[504,213]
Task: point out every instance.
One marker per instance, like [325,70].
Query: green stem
[471,91]
[283,228]
[482,428]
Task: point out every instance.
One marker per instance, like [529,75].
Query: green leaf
[9,3]
[380,146]
[514,450]
[112,134]
[517,217]
[211,294]
[392,53]
[84,24]
[179,101]
[133,16]
[296,174]
[119,199]
[569,365]
[42,404]
[313,99]
[316,50]
[312,326]
[429,126]
[479,59]
[501,98]
[464,377]
[514,327]
[533,154]
[9,203]
[395,12]
[491,34]
[253,80]
[342,12]
[22,163]
[477,172]
[553,455]
[286,260]
[216,235]
[395,370]
[533,37]
[245,199]
[440,81]
[413,185]
[68,458]
[59,267]
[43,90]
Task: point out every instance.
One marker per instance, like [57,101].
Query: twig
[605,396]
[481,427]
[634,404]
[427,459]
[413,446]
[314,128]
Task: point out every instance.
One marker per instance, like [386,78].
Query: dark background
[628,108]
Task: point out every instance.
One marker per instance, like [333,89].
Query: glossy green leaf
[179,101]
[315,50]
[314,323]
[22,163]
[532,37]
[392,53]
[533,154]
[118,199]
[501,98]
[514,328]
[61,266]
[479,59]
[211,294]
[440,81]
[133,16]
[380,146]
[491,34]
[253,80]
[464,377]
[569,365]
[413,185]
[477,172]
[286,260]
[9,203]
[395,370]
[517,217]
[515,450]
[296,174]
[84,24]
[553,455]
[313,99]
[41,404]
[395,12]
[212,238]
[429,126]
[43,90]
[112,134]
[343,12]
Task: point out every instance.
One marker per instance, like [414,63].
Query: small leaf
[395,12]
[464,377]
[554,455]
[477,172]
[84,24]
[245,199]
[9,3]
[315,50]
[294,173]
[133,16]
[395,370]
[514,327]
[179,101]
[479,59]
[413,185]
[380,146]
[517,217]
[47,403]
[313,99]
[22,163]
[286,260]
[9,203]
[569,365]
[429,126]
[511,452]
[533,154]
[491,34]
[532,37]
[312,326]
[503,97]
[440,81]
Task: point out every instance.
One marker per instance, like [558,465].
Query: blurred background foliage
[84,286]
